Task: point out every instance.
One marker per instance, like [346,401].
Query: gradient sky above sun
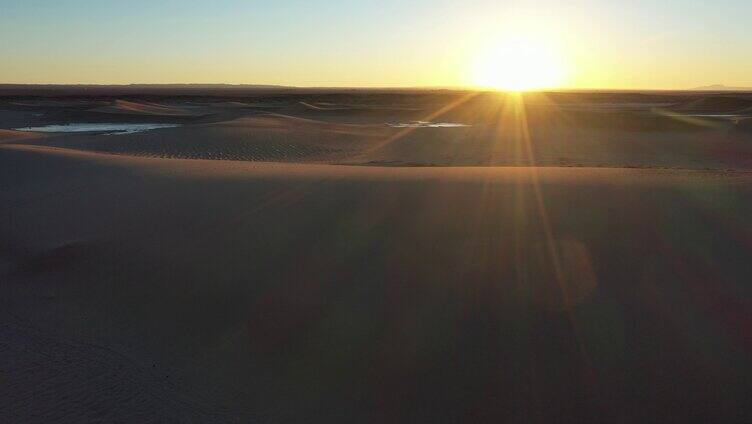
[630,44]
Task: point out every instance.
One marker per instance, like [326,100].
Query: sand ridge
[7,136]
[214,290]
[142,108]
[609,132]
[717,104]
[197,168]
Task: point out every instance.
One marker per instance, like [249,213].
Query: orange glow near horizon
[483,44]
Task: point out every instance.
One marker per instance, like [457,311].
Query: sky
[627,44]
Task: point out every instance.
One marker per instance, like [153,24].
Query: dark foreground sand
[168,290]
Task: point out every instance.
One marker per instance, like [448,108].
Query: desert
[282,255]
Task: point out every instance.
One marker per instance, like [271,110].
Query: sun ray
[431,116]
[521,136]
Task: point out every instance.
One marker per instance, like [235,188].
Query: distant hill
[721,87]
[217,90]
[716,104]
[165,86]
[53,90]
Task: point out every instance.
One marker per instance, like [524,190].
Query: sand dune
[58,103]
[561,139]
[219,291]
[715,104]
[15,136]
[266,137]
[232,104]
[142,108]
[745,112]
[247,105]
[448,281]
[323,106]
[744,126]
[43,374]
[361,108]
[277,120]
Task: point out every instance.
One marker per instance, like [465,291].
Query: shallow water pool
[109,129]
[424,124]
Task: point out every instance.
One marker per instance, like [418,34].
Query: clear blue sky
[607,43]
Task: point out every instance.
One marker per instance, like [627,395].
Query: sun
[518,63]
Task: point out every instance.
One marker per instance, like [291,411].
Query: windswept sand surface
[9,136]
[140,289]
[268,137]
[555,129]
[239,268]
[717,104]
[141,108]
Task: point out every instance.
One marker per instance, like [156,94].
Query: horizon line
[712,87]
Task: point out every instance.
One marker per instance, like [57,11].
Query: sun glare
[518,64]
